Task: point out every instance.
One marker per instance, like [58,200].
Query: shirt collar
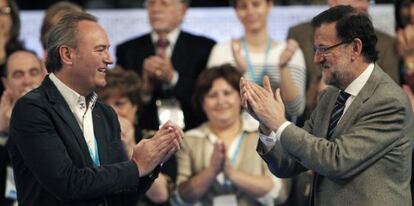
[355,87]
[172,36]
[73,99]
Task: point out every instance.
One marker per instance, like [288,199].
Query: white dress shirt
[81,108]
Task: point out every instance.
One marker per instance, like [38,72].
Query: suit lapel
[63,110]
[365,93]
[180,51]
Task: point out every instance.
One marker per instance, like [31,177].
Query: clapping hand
[264,105]
[218,157]
[149,153]
[238,57]
[405,42]
[6,107]
[159,68]
[287,53]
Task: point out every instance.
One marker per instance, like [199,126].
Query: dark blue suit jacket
[51,161]
[189,58]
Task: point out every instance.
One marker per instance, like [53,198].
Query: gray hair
[64,33]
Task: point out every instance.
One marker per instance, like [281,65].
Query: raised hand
[149,153]
[241,64]
[286,55]
[405,42]
[266,106]
[6,107]
[127,135]
[218,157]
[159,68]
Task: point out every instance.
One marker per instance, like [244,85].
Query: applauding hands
[264,105]
[149,153]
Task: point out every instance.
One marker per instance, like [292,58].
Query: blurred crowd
[171,74]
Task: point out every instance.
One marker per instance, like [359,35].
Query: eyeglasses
[5,10]
[325,49]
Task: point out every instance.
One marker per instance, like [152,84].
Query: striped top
[222,54]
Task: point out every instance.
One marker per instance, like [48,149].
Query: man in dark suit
[169,61]
[358,139]
[23,72]
[65,146]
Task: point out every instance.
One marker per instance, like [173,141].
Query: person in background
[256,54]
[123,93]
[52,16]
[404,24]
[404,15]
[218,164]
[23,72]
[64,145]
[169,61]
[9,31]
[358,141]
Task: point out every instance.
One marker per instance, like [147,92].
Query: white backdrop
[220,24]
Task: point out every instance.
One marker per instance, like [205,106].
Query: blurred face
[165,15]
[91,58]
[222,103]
[5,21]
[332,55]
[123,107]
[253,13]
[361,5]
[407,13]
[24,73]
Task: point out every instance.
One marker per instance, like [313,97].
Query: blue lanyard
[233,157]
[236,152]
[250,68]
[95,156]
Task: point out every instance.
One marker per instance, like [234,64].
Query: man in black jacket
[65,147]
[168,59]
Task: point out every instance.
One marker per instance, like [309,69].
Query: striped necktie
[337,112]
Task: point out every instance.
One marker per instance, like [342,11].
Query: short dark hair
[206,78]
[14,43]
[52,16]
[399,4]
[64,33]
[351,24]
[4,72]
[124,83]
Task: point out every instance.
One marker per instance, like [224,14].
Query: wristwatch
[409,67]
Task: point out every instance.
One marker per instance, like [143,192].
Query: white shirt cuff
[273,138]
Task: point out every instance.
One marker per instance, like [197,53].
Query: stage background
[220,24]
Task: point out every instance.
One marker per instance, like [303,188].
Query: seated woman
[218,162]
[122,92]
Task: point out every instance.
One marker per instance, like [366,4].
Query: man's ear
[356,47]
[66,54]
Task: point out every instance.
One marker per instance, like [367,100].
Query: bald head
[361,5]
